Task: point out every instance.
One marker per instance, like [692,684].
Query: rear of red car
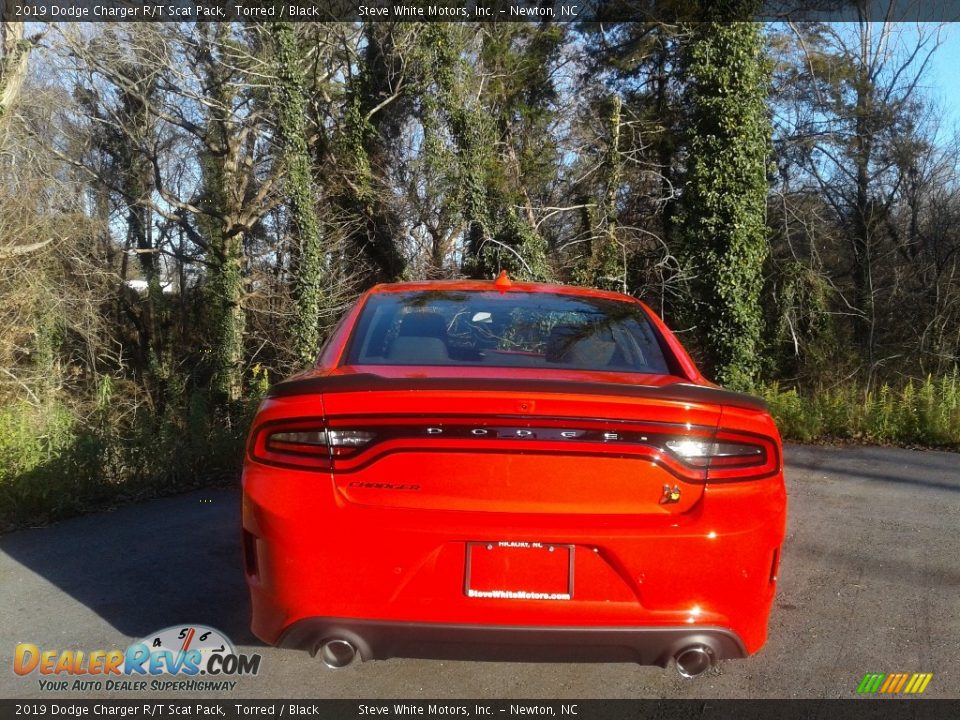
[523,473]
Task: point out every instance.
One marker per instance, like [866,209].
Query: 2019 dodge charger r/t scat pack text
[513,470]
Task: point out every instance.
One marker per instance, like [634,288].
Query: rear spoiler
[368,382]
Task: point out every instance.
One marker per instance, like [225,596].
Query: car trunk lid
[577,443]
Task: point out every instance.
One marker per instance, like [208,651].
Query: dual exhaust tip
[694,660]
[691,661]
[336,653]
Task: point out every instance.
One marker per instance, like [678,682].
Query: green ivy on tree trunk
[724,197]
[290,107]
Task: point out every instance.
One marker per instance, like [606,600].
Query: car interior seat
[421,338]
[580,346]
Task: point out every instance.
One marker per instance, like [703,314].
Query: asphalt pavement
[869,582]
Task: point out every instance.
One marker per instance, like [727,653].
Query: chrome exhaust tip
[337,653]
[694,660]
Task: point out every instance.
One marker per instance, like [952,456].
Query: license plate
[519,571]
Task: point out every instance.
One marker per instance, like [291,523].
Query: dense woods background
[186,210]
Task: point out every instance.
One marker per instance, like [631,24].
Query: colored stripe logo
[894,683]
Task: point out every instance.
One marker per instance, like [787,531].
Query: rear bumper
[392,581]
[380,640]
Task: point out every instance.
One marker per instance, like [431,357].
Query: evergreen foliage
[724,196]
[301,194]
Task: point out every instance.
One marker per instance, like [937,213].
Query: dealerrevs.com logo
[189,657]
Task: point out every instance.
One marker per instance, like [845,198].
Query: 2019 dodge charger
[516,470]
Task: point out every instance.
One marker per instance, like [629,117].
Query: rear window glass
[537,330]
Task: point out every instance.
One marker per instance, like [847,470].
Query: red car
[511,470]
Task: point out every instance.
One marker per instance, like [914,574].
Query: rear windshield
[490,329]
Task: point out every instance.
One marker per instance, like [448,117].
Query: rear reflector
[250,563]
[775,565]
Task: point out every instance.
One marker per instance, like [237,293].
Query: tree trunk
[290,109]
[13,63]
[725,193]
[223,203]
[230,321]
[863,221]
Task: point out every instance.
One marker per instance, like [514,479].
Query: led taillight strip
[551,435]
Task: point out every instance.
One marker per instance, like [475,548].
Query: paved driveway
[870,582]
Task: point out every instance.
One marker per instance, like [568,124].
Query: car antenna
[503,283]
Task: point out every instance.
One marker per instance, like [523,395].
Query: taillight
[707,453]
[692,453]
[728,455]
[305,444]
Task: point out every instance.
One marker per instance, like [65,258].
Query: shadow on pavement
[930,469]
[144,567]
